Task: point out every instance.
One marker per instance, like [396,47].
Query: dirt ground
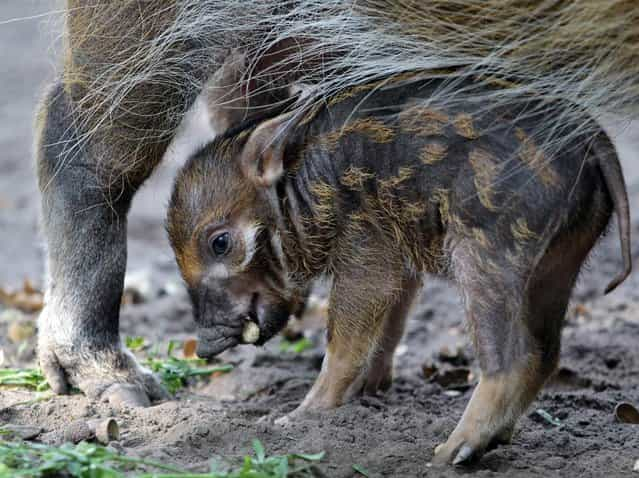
[389,435]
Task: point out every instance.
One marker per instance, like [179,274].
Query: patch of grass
[175,371]
[548,418]
[86,460]
[135,343]
[297,346]
[361,470]
[30,378]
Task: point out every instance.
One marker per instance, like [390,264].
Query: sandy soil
[389,435]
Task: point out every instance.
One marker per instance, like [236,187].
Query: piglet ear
[262,158]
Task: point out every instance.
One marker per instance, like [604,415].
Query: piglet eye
[220,244]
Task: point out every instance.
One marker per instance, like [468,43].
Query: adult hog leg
[93,154]
[516,327]
[379,376]
[85,226]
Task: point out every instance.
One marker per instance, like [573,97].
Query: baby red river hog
[374,188]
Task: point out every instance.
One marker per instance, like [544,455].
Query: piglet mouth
[223,335]
[212,342]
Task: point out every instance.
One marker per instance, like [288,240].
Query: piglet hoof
[460,451]
[378,380]
[284,421]
[289,418]
[456,454]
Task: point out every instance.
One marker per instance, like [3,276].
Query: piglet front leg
[361,300]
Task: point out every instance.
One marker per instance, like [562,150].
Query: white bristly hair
[585,52]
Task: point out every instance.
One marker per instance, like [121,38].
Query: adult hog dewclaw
[373,189]
[131,70]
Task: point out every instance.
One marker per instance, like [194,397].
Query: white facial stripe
[219,271]
[249,234]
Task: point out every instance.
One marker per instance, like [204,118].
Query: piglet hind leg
[515,315]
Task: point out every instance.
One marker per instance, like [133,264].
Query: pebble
[25,432]
[554,463]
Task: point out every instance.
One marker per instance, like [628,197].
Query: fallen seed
[106,431]
[627,413]
[251,332]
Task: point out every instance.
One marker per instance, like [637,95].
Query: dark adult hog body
[373,190]
[131,72]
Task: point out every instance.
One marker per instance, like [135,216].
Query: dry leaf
[29,299]
[189,347]
[29,288]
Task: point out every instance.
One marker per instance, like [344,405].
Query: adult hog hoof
[140,392]
[111,375]
[122,395]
